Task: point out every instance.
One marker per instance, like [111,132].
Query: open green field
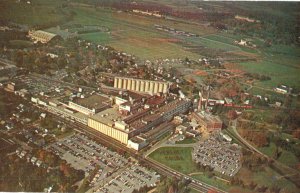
[39,12]
[97,37]
[269,150]
[187,141]
[267,177]
[279,73]
[214,44]
[131,36]
[288,158]
[177,158]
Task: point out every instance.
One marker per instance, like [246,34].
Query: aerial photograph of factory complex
[148,96]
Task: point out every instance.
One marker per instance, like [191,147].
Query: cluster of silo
[139,85]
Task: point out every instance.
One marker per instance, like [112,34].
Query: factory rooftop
[171,105]
[108,116]
[92,102]
[209,117]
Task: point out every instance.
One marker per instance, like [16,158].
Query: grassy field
[131,36]
[97,37]
[267,177]
[214,44]
[187,141]
[269,150]
[177,158]
[280,74]
[39,12]
[288,158]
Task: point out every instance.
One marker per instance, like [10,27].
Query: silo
[133,84]
[138,83]
[120,83]
[129,84]
[142,88]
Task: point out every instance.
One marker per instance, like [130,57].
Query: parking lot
[85,154]
[114,172]
[218,154]
[133,178]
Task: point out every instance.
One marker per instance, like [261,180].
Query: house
[33,160]
[283,89]
[243,43]
[38,163]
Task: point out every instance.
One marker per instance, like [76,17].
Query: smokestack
[206,102]
[200,102]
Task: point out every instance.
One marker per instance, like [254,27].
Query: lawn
[187,141]
[97,37]
[177,158]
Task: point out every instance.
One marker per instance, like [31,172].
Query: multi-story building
[139,85]
[176,107]
[109,123]
[208,121]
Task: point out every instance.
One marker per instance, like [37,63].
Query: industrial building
[209,122]
[42,36]
[90,105]
[174,108]
[139,85]
[109,123]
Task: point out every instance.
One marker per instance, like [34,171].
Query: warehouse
[43,36]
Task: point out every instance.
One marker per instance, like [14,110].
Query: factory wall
[108,130]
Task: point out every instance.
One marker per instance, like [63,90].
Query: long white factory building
[139,85]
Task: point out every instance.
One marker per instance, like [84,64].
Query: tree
[231,115]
